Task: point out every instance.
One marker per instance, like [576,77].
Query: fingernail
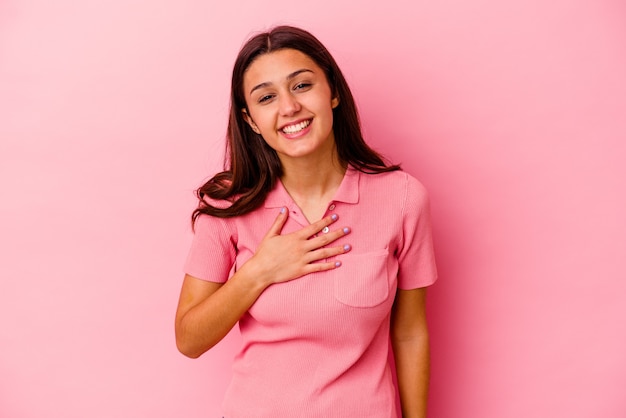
[334,217]
[346,230]
[337,263]
[347,247]
[282,210]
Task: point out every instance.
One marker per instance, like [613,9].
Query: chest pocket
[362,281]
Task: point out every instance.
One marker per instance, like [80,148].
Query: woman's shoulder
[222,229]
[206,200]
[397,180]
[207,220]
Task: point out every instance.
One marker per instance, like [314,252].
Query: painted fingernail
[346,230]
[337,263]
[282,210]
[334,217]
[347,247]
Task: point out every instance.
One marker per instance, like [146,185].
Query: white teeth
[292,129]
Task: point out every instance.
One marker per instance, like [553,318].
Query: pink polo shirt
[317,346]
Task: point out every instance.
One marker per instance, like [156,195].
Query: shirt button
[331,207]
[325,230]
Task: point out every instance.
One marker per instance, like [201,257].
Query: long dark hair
[251,167]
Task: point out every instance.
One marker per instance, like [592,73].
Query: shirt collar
[348,191]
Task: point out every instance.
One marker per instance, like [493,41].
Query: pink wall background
[512,113]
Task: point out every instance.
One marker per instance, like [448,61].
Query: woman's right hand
[280,258]
[207,311]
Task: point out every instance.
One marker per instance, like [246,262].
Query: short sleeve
[213,249]
[416,256]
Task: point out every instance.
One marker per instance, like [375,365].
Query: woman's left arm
[409,338]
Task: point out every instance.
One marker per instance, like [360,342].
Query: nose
[288,105]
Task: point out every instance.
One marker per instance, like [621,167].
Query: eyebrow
[289,77]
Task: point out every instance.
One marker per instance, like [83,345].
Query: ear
[249,121]
[334,102]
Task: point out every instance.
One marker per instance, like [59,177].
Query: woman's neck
[312,184]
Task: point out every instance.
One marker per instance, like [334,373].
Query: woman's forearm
[409,337]
[204,323]
[412,359]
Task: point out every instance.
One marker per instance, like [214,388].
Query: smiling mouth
[296,127]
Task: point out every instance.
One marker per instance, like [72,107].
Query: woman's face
[289,103]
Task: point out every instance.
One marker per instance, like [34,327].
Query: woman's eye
[301,86]
[265,98]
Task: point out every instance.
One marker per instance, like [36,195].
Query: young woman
[318,249]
